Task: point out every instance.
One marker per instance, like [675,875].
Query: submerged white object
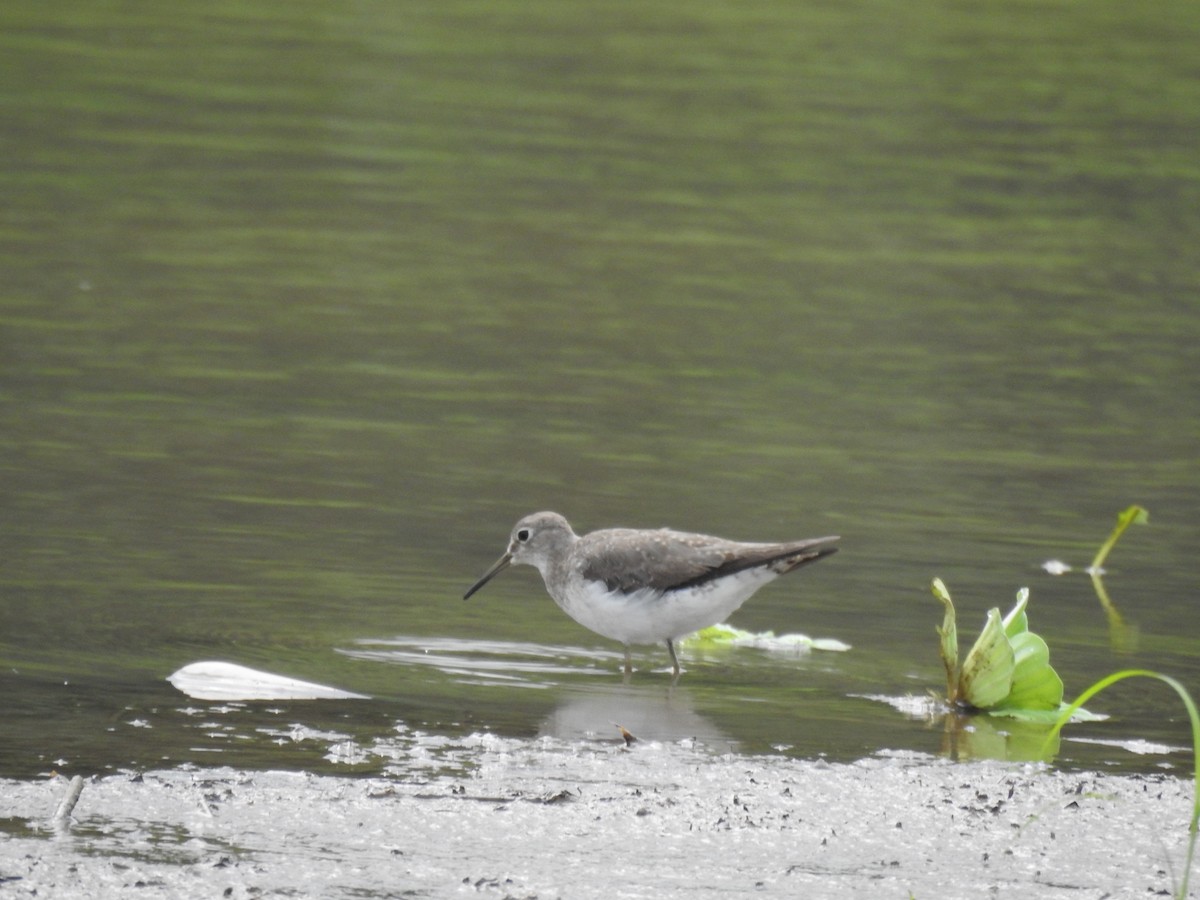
[214,680]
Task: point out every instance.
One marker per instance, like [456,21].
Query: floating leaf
[1045,716]
[722,635]
[713,635]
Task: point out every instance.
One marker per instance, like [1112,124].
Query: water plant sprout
[1134,515]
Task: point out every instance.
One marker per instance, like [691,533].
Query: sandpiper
[641,586]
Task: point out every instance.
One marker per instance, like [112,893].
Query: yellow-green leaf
[1035,684]
[987,673]
[1134,515]
[1017,622]
[949,640]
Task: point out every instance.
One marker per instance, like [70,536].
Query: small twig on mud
[629,738]
[62,815]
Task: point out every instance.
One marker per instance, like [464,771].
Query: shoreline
[546,818]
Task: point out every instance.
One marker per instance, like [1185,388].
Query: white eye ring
[523,535]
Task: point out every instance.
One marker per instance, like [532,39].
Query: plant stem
[1124,520]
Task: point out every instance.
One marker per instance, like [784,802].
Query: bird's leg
[674,659]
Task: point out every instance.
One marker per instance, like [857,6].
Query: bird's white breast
[647,616]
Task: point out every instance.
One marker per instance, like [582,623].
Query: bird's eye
[523,535]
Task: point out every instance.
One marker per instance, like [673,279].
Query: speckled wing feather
[628,560]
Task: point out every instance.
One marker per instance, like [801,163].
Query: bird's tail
[811,551]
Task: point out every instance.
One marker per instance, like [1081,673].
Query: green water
[303,305]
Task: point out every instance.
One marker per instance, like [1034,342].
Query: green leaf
[725,636]
[1046,716]
[949,640]
[987,674]
[1035,684]
[1134,515]
[716,635]
[1017,622]
[1008,671]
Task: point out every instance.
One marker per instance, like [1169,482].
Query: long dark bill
[500,566]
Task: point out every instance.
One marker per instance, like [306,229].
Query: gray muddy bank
[545,819]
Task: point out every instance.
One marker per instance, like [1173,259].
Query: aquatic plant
[1134,515]
[1072,709]
[723,635]
[1007,671]
[1122,634]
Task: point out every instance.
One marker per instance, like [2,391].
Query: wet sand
[545,818]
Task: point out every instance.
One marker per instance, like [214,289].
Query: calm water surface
[303,306]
